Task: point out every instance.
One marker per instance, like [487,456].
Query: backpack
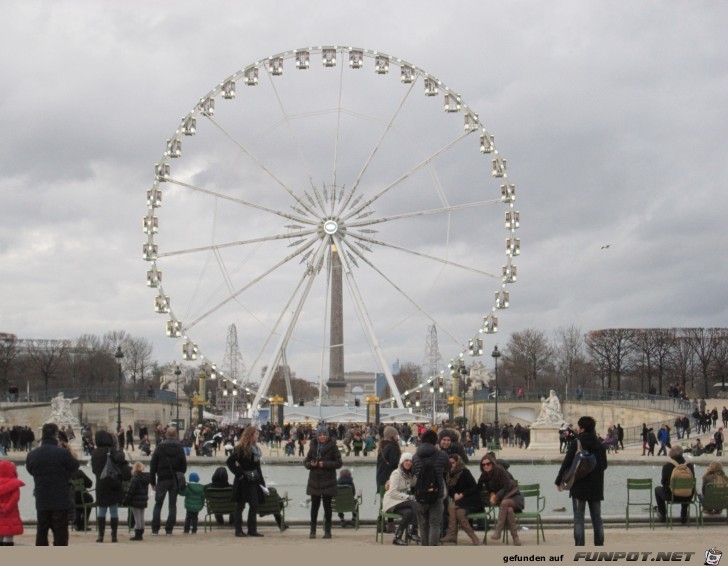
[583,464]
[111,473]
[681,471]
[426,486]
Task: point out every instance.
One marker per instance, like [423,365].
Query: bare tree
[682,359]
[528,354]
[704,342]
[8,352]
[611,350]
[570,357]
[137,358]
[721,360]
[47,357]
[408,377]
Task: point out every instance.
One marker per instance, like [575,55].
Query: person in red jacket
[10,523]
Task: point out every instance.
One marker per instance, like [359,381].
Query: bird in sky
[606,246]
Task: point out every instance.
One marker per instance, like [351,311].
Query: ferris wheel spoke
[252,282]
[310,274]
[216,247]
[441,260]
[242,202]
[432,157]
[401,291]
[360,307]
[262,166]
[376,147]
[336,138]
[444,209]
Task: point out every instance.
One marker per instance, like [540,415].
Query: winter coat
[500,482]
[107,492]
[168,458]
[667,475]
[387,460]
[440,461]
[51,467]
[194,497]
[591,486]
[401,488]
[238,463]
[137,494]
[10,522]
[469,488]
[322,480]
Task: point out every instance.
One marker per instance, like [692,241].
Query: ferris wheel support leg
[368,328]
[286,336]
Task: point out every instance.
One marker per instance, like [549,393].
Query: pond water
[293,478]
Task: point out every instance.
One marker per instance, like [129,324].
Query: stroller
[206,449]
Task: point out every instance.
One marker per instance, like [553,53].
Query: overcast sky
[612,118]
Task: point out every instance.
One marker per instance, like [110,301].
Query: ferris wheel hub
[331,226]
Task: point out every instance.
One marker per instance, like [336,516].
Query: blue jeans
[595,511]
[164,487]
[113,511]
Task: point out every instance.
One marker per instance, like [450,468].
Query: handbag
[583,464]
[250,475]
[111,472]
[181,482]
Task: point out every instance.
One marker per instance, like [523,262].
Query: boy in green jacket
[194,502]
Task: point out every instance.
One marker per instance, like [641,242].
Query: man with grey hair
[168,459]
[663,493]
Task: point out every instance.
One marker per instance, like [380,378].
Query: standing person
[194,494]
[502,492]
[387,461]
[663,492]
[719,438]
[322,461]
[137,498]
[429,515]
[645,434]
[244,463]
[51,467]
[130,438]
[168,458]
[663,437]
[590,488]
[399,499]
[620,436]
[109,492]
[10,522]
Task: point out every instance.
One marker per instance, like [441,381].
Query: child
[10,523]
[345,478]
[136,498]
[194,502]
[357,443]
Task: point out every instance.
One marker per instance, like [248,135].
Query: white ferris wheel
[332,202]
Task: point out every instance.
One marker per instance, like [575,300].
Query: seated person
[502,491]
[399,498]
[144,446]
[463,498]
[220,479]
[714,476]
[345,478]
[663,493]
[82,497]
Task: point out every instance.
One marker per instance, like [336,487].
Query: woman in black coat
[464,497]
[388,456]
[108,492]
[322,461]
[244,463]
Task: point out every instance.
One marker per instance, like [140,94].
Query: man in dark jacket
[449,439]
[429,515]
[662,491]
[168,458]
[51,467]
[590,488]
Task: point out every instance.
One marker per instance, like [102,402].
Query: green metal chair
[219,501]
[273,504]
[487,515]
[382,519]
[533,507]
[639,494]
[83,506]
[346,502]
[683,483]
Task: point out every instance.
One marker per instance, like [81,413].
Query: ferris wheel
[332,202]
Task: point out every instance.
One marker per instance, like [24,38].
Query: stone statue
[550,411]
[61,413]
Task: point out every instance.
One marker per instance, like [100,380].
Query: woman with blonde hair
[244,463]
[715,475]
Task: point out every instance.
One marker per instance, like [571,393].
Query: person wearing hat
[399,499]
[194,493]
[322,461]
[388,456]
[449,442]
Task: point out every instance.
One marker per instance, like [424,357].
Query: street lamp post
[119,356]
[496,354]
[177,373]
